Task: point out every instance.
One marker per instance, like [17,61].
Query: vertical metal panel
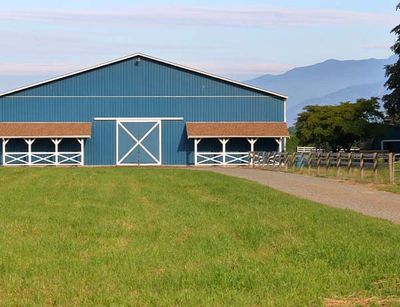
[146,78]
[100,148]
[103,93]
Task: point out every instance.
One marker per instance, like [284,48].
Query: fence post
[361,166]
[251,159]
[269,155]
[287,161]
[280,159]
[274,159]
[301,161]
[391,168]
[318,162]
[294,160]
[328,163]
[375,158]
[349,164]
[338,163]
[284,157]
[309,162]
[290,160]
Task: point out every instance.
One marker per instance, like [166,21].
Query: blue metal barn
[139,110]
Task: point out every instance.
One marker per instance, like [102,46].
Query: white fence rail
[220,158]
[305,149]
[43,158]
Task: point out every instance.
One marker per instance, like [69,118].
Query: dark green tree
[292,141]
[340,126]
[391,101]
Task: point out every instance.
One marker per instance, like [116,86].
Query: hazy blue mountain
[351,93]
[328,82]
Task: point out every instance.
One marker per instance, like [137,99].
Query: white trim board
[45,137]
[150,58]
[139,97]
[235,136]
[137,119]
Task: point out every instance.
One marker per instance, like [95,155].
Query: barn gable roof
[141,55]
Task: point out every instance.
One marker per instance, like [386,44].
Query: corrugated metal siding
[148,78]
[193,109]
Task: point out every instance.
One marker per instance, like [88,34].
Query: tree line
[336,127]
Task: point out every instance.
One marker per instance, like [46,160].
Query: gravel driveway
[362,198]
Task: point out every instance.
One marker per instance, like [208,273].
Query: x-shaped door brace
[139,142]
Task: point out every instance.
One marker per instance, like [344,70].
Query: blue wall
[147,89]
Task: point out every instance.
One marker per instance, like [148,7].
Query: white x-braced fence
[221,158]
[43,158]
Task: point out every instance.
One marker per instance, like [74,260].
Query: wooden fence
[337,164]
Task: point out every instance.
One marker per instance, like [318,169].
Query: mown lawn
[131,236]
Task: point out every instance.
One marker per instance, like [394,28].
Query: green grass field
[136,236]
[395,188]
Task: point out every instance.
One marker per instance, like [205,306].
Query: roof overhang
[236,129]
[23,130]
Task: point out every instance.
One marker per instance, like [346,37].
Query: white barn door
[138,142]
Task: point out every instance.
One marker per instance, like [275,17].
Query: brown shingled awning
[236,129]
[45,130]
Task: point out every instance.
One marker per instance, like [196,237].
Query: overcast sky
[237,39]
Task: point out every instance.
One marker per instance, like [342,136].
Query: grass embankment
[381,177]
[395,188]
[166,237]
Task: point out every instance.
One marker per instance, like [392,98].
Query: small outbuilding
[139,110]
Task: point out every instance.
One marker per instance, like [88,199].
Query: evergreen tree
[391,101]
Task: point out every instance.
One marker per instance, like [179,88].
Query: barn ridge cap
[138,54]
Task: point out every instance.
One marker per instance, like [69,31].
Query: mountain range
[329,82]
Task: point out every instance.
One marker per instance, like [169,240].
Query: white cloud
[37,69]
[201,16]
[380,46]
[240,71]
[76,38]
